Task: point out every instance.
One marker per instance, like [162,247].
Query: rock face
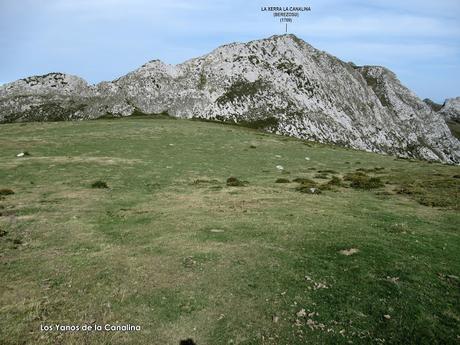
[451,109]
[433,105]
[280,84]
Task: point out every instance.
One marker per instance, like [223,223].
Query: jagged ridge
[281,84]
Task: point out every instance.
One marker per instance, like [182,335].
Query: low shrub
[204,181]
[282,180]
[99,184]
[306,182]
[325,186]
[354,175]
[234,182]
[6,191]
[322,176]
[308,189]
[407,190]
[360,180]
[433,201]
[335,181]
[327,171]
[375,170]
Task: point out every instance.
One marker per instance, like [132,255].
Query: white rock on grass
[301,313]
[348,252]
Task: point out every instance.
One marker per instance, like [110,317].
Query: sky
[104,39]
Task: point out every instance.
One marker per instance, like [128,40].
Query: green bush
[308,190]
[335,181]
[360,180]
[327,171]
[306,182]
[99,184]
[282,180]
[234,182]
[6,191]
[322,176]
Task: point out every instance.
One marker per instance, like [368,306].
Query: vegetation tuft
[99,184]
[328,171]
[235,182]
[360,180]
[263,123]
[306,182]
[308,190]
[282,180]
[322,176]
[6,191]
[438,191]
[242,89]
[336,181]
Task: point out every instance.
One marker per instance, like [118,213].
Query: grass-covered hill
[132,221]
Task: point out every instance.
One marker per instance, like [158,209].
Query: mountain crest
[281,84]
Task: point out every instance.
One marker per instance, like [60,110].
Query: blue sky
[104,39]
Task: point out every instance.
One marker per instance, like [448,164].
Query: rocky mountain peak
[280,84]
[451,109]
[48,83]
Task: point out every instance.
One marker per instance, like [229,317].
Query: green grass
[171,248]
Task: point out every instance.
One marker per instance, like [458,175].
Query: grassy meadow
[360,249]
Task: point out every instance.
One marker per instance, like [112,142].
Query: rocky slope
[451,109]
[280,84]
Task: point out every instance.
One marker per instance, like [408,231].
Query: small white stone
[301,313]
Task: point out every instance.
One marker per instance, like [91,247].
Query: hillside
[280,84]
[169,246]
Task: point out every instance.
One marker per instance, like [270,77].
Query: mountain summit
[280,84]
